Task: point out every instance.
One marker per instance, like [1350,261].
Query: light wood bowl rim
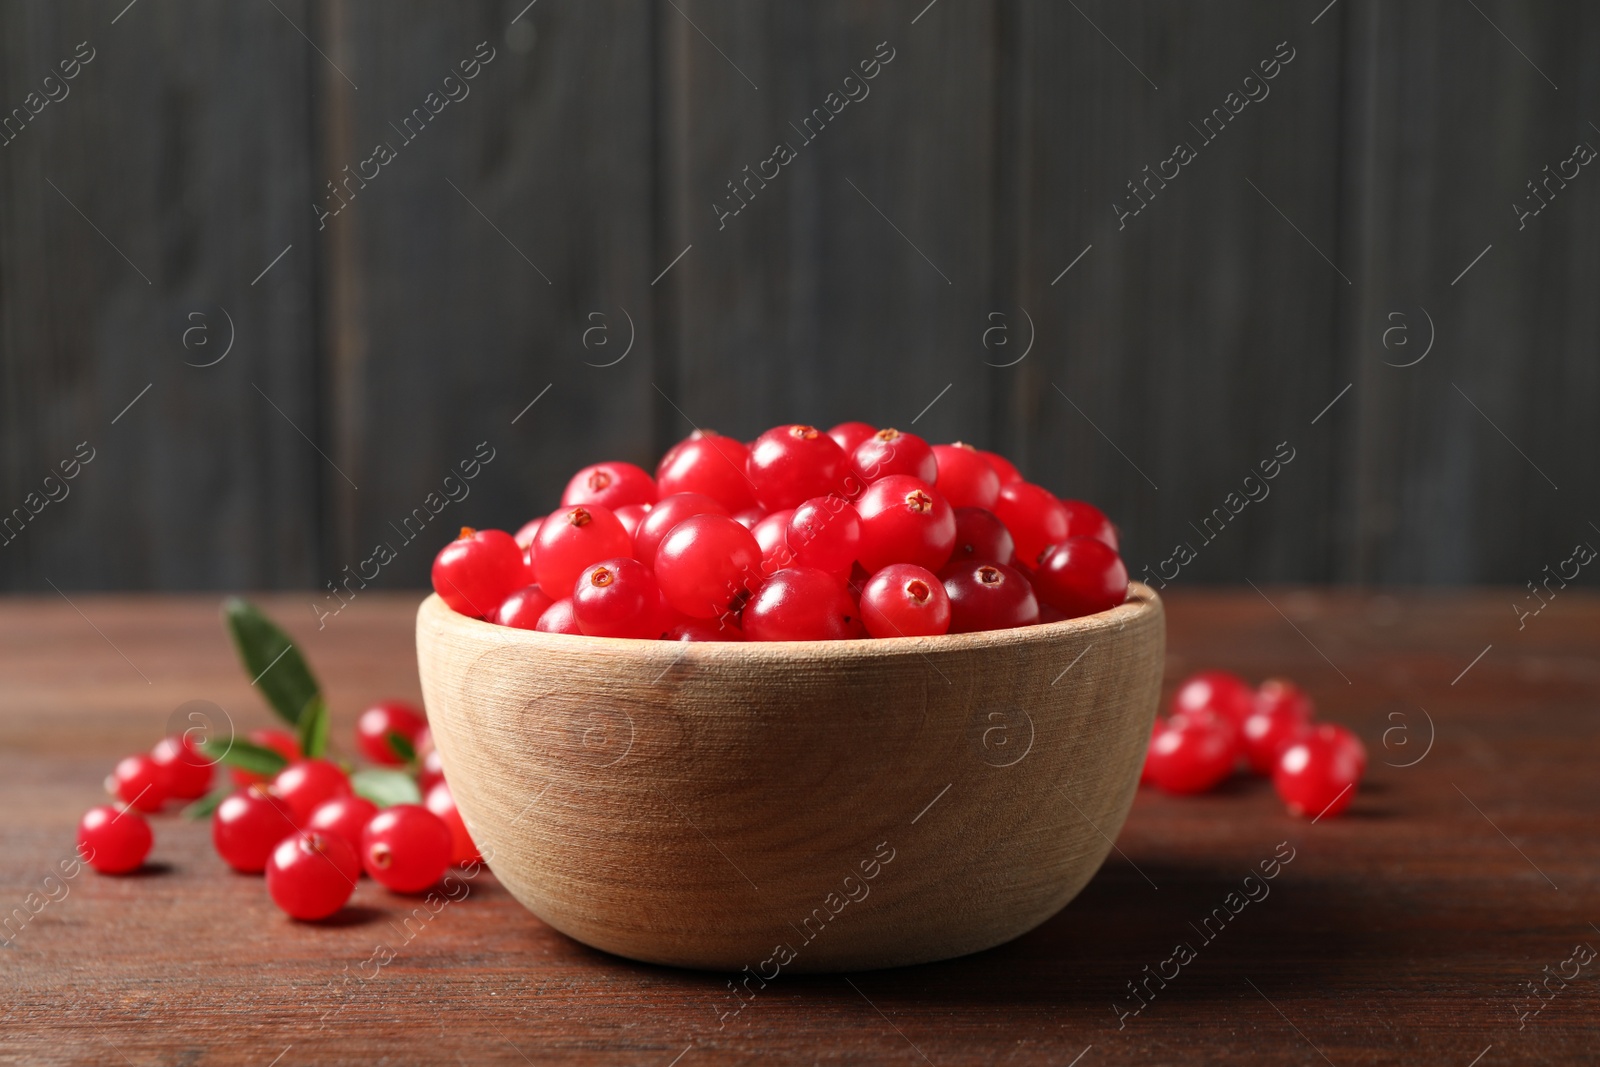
[1141,601]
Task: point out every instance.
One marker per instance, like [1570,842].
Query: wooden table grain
[1417,928]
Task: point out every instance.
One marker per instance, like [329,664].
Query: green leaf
[245,755]
[275,666]
[386,788]
[207,804]
[402,746]
[314,727]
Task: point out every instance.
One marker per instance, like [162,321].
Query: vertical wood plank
[1198,332]
[157,188]
[854,284]
[462,277]
[1458,458]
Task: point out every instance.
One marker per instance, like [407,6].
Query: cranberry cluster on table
[305,828]
[1219,725]
[800,535]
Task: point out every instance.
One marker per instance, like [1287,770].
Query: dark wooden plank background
[927,223]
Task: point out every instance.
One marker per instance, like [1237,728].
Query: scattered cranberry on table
[311,875]
[113,840]
[780,539]
[406,848]
[1219,724]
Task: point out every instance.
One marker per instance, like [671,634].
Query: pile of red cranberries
[800,535]
[1219,724]
[304,828]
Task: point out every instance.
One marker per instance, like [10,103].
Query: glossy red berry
[522,608]
[711,465]
[825,533]
[617,598]
[965,478]
[1218,691]
[140,782]
[904,600]
[406,848]
[1282,716]
[750,516]
[1081,576]
[1086,520]
[476,571]
[668,512]
[904,520]
[558,618]
[802,604]
[430,771]
[442,803]
[849,435]
[113,840]
[631,515]
[343,817]
[1192,753]
[981,538]
[1317,775]
[988,596]
[789,465]
[892,452]
[527,532]
[1003,467]
[772,535]
[311,875]
[188,772]
[687,629]
[379,721]
[706,565]
[282,742]
[610,485]
[247,825]
[1034,516]
[574,538]
[308,783]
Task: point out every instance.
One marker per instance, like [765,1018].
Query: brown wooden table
[1408,931]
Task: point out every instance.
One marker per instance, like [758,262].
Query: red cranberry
[904,520]
[617,598]
[825,533]
[892,452]
[1218,691]
[442,803]
[965,478]
[343,817]
[307,783]
[801,604]
[988,596]
[476,571]
[706,564]
[981,538]
[188,772]
[311,876]
[791,464]
[631,515]
[379,721]
[1281,717]
[610,485]
[573,539]
[1086,520]
[406,848]
[904,600]
[1192,754]
[140,782]
[1081,576]
[1034,516]
[113,840]
[247,825]
[282,742]
[522,608]
[1003,467]
[849,435]
[559,618]
[711,465]
[1317,775]
[668,512]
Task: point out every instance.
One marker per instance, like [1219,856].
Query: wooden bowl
[804,806]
